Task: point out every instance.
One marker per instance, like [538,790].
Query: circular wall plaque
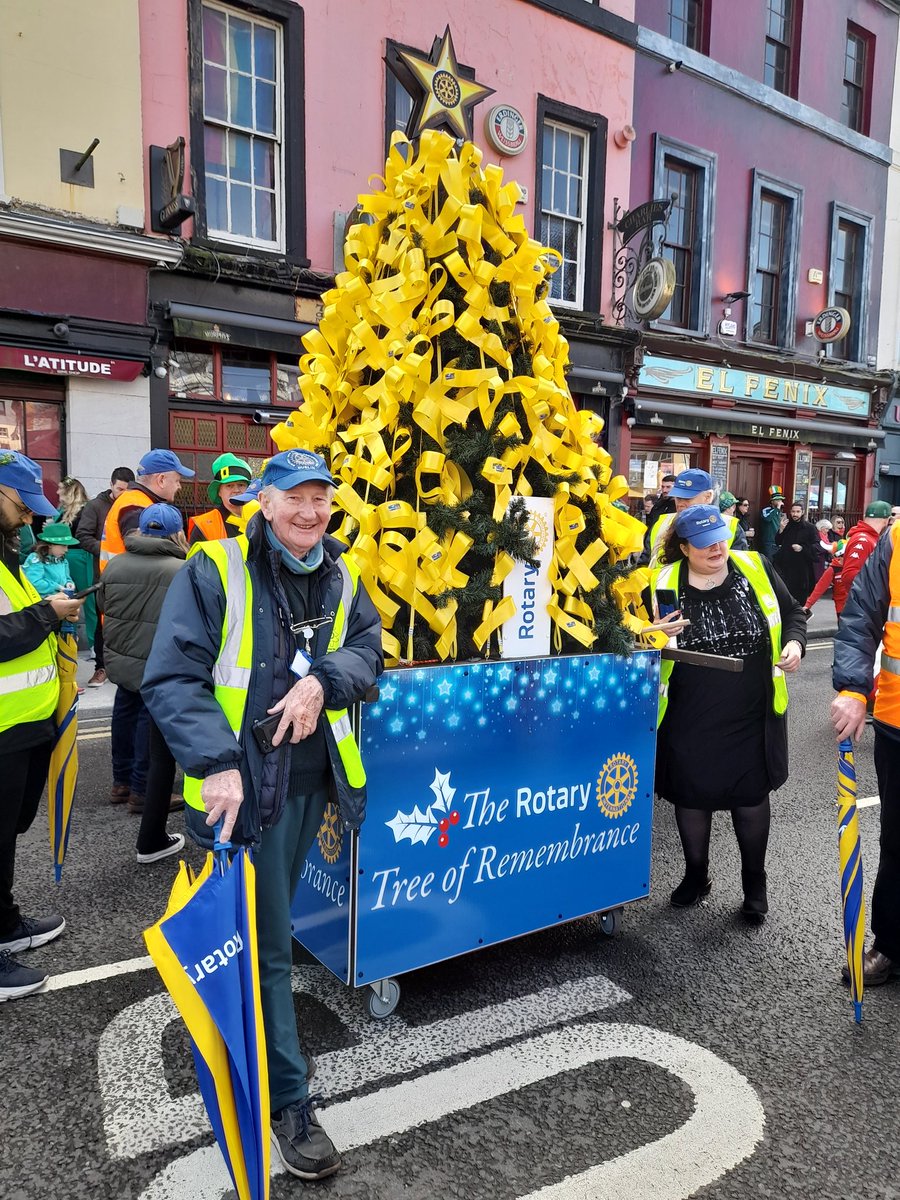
[506,129]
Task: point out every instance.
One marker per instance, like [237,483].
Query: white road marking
[93,974]
[725,1127]
[140,1115]
[823,645]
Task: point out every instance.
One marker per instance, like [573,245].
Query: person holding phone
[29,690]
[265,640]
[722,742]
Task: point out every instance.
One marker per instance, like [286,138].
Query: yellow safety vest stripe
[29,685]
[751,568]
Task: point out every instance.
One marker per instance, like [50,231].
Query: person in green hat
[737,536]
[47,568]
[230,478]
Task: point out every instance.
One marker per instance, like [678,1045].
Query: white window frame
[223,235]
[546,212]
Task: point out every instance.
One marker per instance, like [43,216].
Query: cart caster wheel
[609,921]
[382,998]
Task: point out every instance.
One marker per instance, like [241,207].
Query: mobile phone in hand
[264,730]
[666,601]
[88,591]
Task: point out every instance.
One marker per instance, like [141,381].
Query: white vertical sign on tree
[527,633]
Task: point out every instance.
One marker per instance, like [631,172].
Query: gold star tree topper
[447,96]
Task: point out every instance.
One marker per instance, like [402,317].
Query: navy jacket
[862,622]
[178,682]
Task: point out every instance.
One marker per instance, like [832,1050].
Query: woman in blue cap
[722,740]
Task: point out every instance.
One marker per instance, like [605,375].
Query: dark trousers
[160,780]
[129,740]
[886,893]
[98,645]
[24,775]
[279,863]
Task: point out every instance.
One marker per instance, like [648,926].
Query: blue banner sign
[703,379]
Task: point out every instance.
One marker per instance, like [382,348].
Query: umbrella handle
[221,849]
[846,746]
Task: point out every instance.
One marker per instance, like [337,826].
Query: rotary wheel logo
[446,89]
[617,785]
[330,833]
[538,528]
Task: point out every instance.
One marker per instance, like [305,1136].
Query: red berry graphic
[443,840]
[454,817]
[443,825]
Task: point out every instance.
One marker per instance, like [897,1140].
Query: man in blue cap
[690,487]
[29,690]
[264,641]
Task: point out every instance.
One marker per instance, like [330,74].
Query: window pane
[264,49]
[242,211]
[42,430]
[214,101]
[191,373]
[241,101]
[216,204]
[263,163]
[246,383]
[265,107]
[571,241]
[239,146]
[214,149]
[240,35]
[11,426]
[214,35]
[265,215]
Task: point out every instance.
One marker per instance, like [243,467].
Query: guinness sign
[170,208]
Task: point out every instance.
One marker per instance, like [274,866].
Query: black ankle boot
[692,889]
[756,903]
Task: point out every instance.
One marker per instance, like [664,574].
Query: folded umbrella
[852,899]
[63,774]
[205,949]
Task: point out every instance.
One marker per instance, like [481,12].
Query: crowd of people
[237,647]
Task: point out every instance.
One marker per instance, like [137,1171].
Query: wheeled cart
[504,797]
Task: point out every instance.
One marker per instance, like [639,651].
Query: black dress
[720,745]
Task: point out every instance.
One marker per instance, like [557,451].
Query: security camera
[675,66]
[159,372]
[630,422]
[61,330]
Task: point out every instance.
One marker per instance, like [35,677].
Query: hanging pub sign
[59,362]
[169,207]
[831,325]
[653,289]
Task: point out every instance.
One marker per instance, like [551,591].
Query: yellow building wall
[70,72]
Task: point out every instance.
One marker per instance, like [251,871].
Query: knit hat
[227,468]
[726,499]
[58,533]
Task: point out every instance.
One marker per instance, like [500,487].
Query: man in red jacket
[861,541]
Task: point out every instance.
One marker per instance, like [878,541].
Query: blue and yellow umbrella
[205,949]
[63,774]
[852,899]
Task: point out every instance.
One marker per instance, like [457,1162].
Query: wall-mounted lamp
[675,439]
[731,298]
[846,455]
[871,446]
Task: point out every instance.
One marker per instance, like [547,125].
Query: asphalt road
[688,1055]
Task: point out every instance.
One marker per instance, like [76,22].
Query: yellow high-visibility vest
[29,684]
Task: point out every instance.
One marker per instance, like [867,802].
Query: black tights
[751,827]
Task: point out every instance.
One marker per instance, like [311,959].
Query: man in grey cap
[258,719]
[29,690]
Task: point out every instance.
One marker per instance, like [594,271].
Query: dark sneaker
[29,934]
[174,843]
[302,1144]
[119,793]
[17,981]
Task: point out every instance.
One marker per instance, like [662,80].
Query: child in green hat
[47,568]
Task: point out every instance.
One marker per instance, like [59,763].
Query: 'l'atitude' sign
[527,633]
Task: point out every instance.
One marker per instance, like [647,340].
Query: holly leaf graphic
[417,826]
[443,792]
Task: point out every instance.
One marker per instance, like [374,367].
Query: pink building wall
[514,47]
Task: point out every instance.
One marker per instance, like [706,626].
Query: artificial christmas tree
[435,387]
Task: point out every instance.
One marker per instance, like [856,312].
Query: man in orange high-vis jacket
[872,614]
[230,478]
[159,477]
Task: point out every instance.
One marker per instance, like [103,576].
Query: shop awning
[226,328]
[766,426]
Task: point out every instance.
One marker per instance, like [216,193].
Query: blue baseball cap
[252,493]
[160,520]
[691,483]
[156,462]
[293,467]
[701,525]
[24,474]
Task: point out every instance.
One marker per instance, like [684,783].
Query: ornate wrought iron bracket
[638,236]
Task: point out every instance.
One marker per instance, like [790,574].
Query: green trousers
[279,863]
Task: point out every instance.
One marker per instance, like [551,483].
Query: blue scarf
[298,566]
